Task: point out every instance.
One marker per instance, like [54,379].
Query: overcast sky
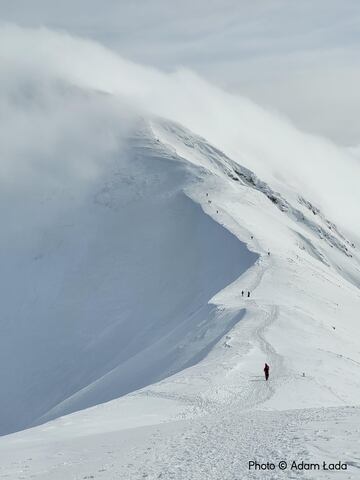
[301,58]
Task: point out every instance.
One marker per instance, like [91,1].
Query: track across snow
[215,413]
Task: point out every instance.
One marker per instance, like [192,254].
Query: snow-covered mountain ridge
[123,277]
[127,242]
[153,262]
[171,234]
[323,228]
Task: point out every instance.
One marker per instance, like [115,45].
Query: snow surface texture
[118,291]
[122,272]
[177,221]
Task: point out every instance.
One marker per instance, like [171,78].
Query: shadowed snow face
[106,289]
[67,112]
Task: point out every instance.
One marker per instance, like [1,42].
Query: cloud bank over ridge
[40,66]
[299,58]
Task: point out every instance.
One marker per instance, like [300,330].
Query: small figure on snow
[266,371]
[248,294]
[242,293]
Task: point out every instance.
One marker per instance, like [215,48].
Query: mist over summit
[161,240]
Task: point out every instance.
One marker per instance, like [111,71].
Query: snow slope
[127,239]
[172,199]
[114,294]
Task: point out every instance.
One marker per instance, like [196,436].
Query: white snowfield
[137,291]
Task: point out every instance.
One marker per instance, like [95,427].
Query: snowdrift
[115,292]
[129,244]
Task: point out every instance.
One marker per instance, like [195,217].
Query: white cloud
[300,58]
[262,141]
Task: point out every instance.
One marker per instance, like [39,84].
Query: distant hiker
[248,294]
[217,211]
[207,194]
[266,371]
[242,293]
[268,252]
[252,237]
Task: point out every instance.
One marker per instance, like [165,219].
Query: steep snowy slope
[113,294]
[301,318]
[127,241]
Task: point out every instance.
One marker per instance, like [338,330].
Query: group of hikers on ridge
[266,367]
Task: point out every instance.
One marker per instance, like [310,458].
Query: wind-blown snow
[114,294]
[258,139]
[301,318]
[123,272]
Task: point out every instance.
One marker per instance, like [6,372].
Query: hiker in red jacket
[266,371]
